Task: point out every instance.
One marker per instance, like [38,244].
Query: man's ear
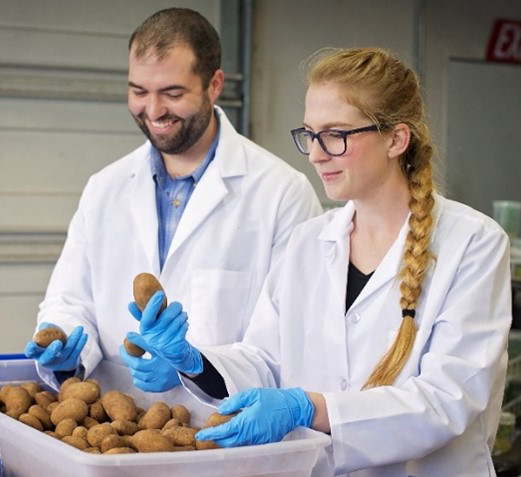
[216,85]
[399,138]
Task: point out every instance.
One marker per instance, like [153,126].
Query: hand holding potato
[165,331]
[155,374]
[266,415]
[58,355]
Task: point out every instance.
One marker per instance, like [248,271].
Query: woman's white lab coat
[440,417]
[235,226]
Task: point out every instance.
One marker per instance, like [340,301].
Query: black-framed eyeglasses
[333,141]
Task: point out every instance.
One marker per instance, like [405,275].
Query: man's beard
[191,130]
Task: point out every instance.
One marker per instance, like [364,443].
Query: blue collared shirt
[172,195]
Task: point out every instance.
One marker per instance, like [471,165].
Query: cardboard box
[27,452]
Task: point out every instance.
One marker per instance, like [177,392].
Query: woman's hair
[173,26]
[388,92]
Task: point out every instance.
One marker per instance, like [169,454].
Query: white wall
[286,32]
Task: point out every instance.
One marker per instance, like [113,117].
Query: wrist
[304,409]
[320,420]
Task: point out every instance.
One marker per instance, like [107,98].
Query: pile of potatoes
[110,423]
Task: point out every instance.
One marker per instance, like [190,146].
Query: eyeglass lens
[332,142]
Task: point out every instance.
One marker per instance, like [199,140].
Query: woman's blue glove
[59,357]
[165,333]
[152,375]
[267,415]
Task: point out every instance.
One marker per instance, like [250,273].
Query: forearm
[320,417]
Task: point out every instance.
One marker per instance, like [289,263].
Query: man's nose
[155,107]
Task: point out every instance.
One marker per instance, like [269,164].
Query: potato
[119,406]
[132,349]
[75,441]
[43,416]
[174,422]
[32,387]
[144,286]
[97,433]
[150,440]
[86,391]
[180,412]
[73,408]
[206,445]
[89,422]
[4,390]
[216,419]
[156,417]
[111,441]
[17,401]
[46,336]
[125,428]
[65,427]
[184,448]
[80,431]
[32,421]
[180,436]
[44,398]
[120,450]
[92,450]
[65,385]
[97,411]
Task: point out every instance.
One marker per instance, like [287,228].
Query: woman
[387,321]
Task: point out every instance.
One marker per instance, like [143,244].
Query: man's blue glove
[59,357]
[165,333]
[152,375]
[267,415]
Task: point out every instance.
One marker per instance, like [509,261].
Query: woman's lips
[329,176]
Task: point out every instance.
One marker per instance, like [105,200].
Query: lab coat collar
[335,236]
[230,161]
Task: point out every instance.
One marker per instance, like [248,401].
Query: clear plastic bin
[27,452]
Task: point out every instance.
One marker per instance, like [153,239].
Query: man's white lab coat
[234,228]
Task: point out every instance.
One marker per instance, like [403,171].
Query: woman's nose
[317,153]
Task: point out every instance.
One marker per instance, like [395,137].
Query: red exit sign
[505,41]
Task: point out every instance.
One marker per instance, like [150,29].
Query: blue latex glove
[59,357]
[267,415]
[152,375]
[165,333]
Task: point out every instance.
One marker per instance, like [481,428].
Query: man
[198,205]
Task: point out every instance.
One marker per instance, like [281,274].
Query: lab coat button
[343,384]
[354,317]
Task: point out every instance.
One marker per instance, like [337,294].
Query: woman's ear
[400,138]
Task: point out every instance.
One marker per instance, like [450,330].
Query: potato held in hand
[132,349]
[145,285]
[46,336]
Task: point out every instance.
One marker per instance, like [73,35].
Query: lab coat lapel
[229,161]
[142,198]
[388,268]
[335,238]
[207,194]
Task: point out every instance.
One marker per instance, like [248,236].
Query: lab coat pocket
[219,301]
